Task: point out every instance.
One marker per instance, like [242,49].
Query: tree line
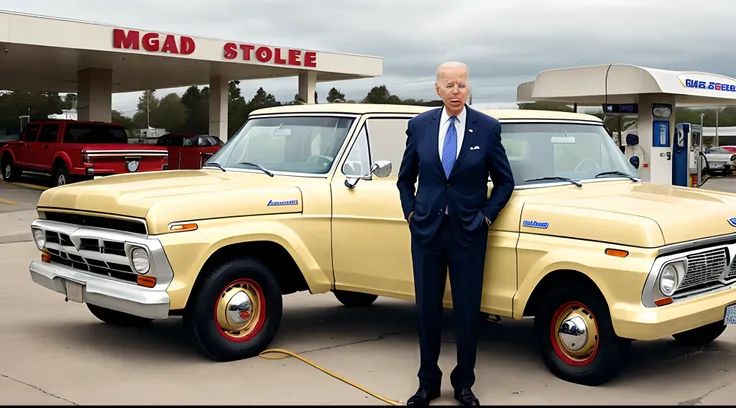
[190,111]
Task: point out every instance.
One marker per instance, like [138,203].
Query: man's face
[452,88]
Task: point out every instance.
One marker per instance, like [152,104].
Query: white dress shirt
[459,128]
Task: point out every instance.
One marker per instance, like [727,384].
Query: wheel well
[6,156]
[276,257]
[58,162]
[559,277]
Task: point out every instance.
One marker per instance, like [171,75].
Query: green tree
[196,103]
[381,94]
[335,95]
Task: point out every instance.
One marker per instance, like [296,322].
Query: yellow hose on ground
[286,354]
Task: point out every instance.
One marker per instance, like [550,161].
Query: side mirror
[381,168]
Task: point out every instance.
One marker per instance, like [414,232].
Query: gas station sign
[153,42]
[709,82]
[275,55]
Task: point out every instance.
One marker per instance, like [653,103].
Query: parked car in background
[70,150]
[189,150]
[731,149]
[720,160]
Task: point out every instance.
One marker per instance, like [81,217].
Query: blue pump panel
[680,162]
[661,133]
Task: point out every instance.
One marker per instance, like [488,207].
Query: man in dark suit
[451,150]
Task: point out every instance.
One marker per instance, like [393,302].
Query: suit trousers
[466,267]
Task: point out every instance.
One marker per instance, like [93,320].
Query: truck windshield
[292,144]
[94,133]
[558,151]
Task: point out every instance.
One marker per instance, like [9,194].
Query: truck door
[27,147]
[46,146]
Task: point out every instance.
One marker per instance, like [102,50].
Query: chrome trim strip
[126,153]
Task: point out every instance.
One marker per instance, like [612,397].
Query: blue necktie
[449,150]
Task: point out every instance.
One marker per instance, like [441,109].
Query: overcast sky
[505,42]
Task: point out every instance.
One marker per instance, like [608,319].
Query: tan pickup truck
[304,198]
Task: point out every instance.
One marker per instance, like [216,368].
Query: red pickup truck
[70,150]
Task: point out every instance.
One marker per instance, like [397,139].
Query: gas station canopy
[623,84]
[39,53]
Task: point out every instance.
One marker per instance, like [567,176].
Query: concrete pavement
[52,352]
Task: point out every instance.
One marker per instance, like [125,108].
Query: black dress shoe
[423,396]
[466,398]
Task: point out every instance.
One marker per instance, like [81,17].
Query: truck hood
[170,196]
[638,214]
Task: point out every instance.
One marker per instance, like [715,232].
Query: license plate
[730,317]
[74,292]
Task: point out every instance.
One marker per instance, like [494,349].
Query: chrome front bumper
[98,260]
[120,296]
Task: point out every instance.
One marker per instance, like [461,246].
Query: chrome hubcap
[8,169]
[573,333]
[239,310]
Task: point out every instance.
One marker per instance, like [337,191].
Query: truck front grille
[707,270]
[99,256]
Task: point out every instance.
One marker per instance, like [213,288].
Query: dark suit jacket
[464,192]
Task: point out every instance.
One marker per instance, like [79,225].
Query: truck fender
[546,266]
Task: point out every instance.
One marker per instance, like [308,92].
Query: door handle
[45,147]
[28,145]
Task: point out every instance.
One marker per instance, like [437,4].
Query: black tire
[117,318]
[606,359]
[59,172]
[200,319]
[355,299]
[700,336]
[9,171]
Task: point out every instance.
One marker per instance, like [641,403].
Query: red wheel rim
[240,310]
[574,334]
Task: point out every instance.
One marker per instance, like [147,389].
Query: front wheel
[236,311]
[576,337]
[700,336]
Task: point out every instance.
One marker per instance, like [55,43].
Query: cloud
[504,42]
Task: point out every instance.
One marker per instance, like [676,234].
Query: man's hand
[408,219]
[488,222]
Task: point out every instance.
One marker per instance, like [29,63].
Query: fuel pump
[696,138]
[681,168]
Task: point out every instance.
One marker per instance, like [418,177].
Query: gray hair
[451,64]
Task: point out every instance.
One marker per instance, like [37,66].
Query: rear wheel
[700,336]
[236,311]
[355,299]
[117,318]
[576,336]
[9,171]
[61,176]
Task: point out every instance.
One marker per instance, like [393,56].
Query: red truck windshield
[92,133]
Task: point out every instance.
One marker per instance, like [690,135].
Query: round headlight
[39,238]
[668,280]
[140,260]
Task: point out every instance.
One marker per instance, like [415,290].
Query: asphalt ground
[52,352]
